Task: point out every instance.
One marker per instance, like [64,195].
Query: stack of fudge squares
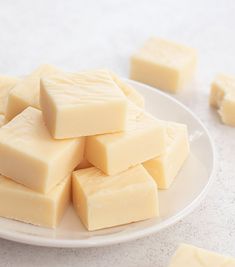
[83,137]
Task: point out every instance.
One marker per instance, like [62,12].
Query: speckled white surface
[88,34]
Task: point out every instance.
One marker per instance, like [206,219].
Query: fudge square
[165,167]
[191,256]
[26,92]
[222,97]
[23,204]
[103,201]
[144,139]
[82,104]
[164,64]
[30,156]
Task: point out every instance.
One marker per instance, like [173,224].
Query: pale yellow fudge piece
[84,164]
[134,96]
[82,104]
[103,201]
[165,167]
[26,92]
[164,64]
[30,156]
[23,204]
[190,256]
[6,84]
[2,120]
[222,97]
[143,139]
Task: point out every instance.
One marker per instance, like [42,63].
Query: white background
[77,35]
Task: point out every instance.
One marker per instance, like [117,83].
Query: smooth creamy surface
[143,139]
[103,201]
[164,64]
[30,156]
[6,85]
[190,256]
[82,104]
[165,167]
[222,97]
[129,91]
[23,204]
[2,120]
[26,92]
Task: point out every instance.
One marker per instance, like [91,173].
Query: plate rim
[78,243]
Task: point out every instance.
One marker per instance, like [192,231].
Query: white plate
[189,188]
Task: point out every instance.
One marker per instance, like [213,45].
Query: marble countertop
[77,35]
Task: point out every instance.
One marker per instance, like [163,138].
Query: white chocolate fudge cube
[222,97]
[164,64]
[30,156]
[165,167]
[23,204]
[103,201]
[6,84]
[143,139]
[134,96]
[2,120]
[82,104]
[191,256]
[26,92]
